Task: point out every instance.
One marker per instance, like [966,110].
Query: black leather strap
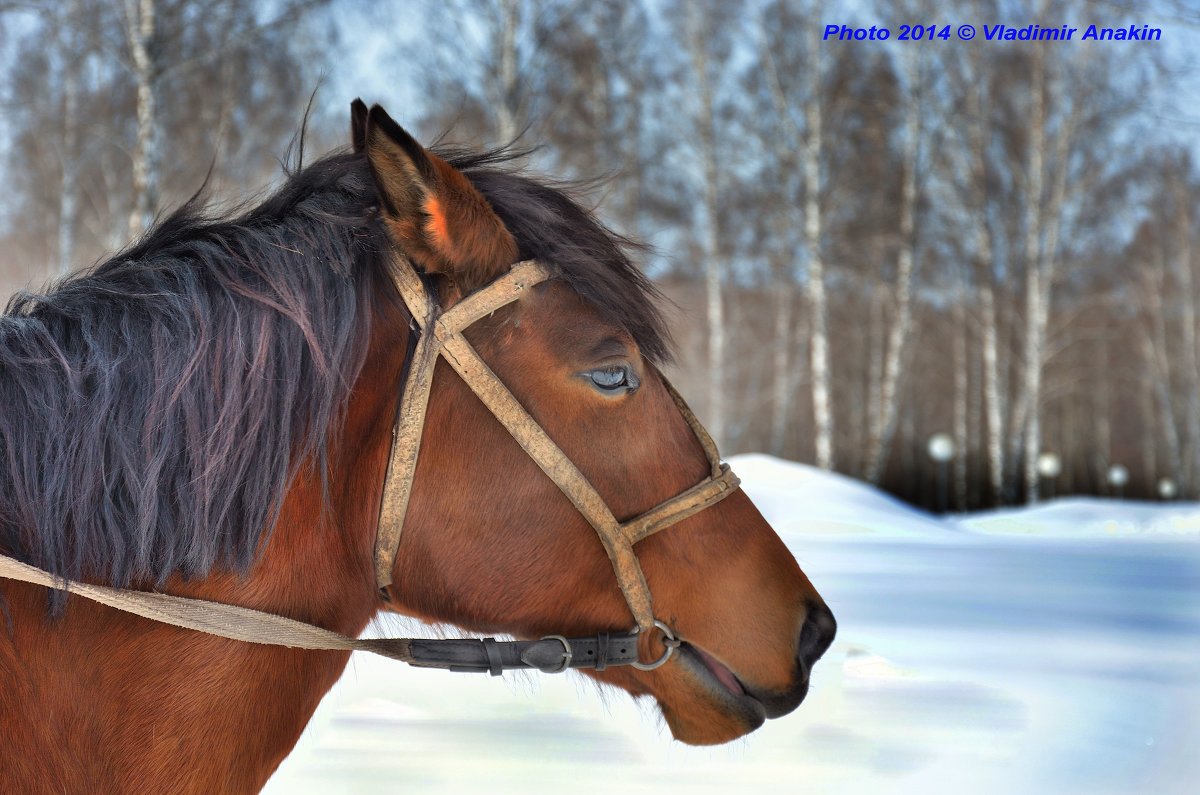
[602,640]
[495,663]
[547,655]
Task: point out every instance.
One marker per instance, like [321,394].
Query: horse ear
[433,211]
[358,126]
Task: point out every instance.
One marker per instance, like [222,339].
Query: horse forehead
[567,324]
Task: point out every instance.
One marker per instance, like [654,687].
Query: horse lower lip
[721,673]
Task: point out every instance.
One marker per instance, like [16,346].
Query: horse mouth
[722,685]
[719,671]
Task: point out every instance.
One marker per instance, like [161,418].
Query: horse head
[491,544]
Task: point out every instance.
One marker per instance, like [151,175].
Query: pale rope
[213,618]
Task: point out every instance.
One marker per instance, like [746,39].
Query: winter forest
[869,244]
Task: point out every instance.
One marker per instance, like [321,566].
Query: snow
[1088,517]
[1054,649]
[801,500]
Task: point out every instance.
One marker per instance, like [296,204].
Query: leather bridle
[441,335]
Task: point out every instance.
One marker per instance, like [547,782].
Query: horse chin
[704,703]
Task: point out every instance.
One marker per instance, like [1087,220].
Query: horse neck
[101,700]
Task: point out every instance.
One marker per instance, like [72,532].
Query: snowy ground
[1048,650]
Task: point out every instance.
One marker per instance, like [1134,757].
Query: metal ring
[567,655]
[671,643]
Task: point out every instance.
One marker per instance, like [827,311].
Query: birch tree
[1036,278]
[144,51]
[961,400]
[74,51]
[995,392]
[1154,349]
[706,38]
[973,203]
[884,414]
[823,422]
[1189,354]
[784,140]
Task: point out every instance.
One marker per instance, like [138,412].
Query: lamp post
[1049,466]
[1118,476]
[941,450]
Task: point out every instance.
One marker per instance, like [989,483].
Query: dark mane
[154,411]
[552,226]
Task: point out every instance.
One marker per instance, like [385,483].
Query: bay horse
[209,414]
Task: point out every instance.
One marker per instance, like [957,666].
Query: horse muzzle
[816,636]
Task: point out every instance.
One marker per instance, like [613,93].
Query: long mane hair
[155,410]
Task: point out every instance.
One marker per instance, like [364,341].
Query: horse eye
[613,379]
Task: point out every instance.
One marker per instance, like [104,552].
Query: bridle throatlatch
[441,335]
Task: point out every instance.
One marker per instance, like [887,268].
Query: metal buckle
[567,655]
[671,642]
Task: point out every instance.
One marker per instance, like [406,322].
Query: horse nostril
[816,635]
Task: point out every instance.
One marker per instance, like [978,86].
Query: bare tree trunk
[1150,436]
[714,305]
[961,396]
[1154,348]
[993,393]
[1156,361]
[632,131]
[1050,224]
[819,337]
[977,419]
[781,399]
[68,196]
[1034,289]
[1190,355]
[599,100]
[140,30]
[507,108]
[227,77]
[912,457]
[887,410]
[876,351]
[783,379]
[1103,423]
[993,390]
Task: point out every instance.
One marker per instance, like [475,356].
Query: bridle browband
[441,335]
